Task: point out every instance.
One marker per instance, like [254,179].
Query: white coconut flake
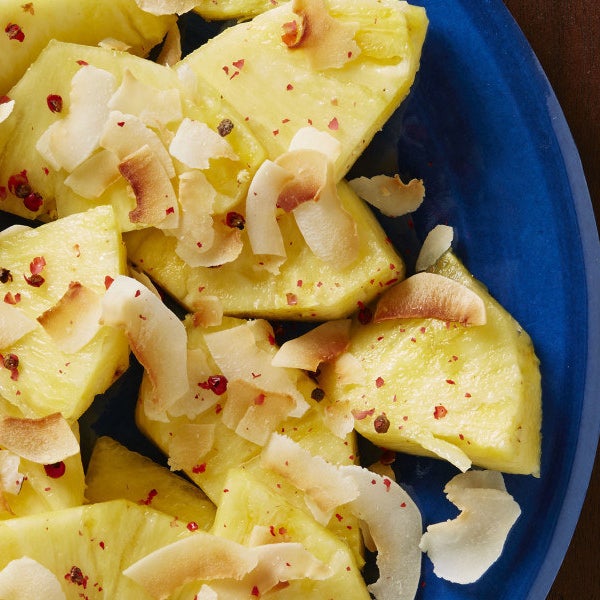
[321,344]
[111,43]
[311,138]
[195,143]
[396,539]
[26,578]
[72,139]
[464,548]
[156,336]
[10,478]
[389,194]
[166,7]
[14,324]
[153,106]
[171,53]
[94,175]
[437,242]
[261,209]
[326,486]
[6,109]
[189,443]
[237,354]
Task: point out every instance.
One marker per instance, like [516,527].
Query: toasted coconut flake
[156,202]
[389,194]
[321,344]
[437,242]
[14,324]
[188,444]
[72,139]
[166,7]
[328,42]
[227,245]
[208,311]
[195,143]
[397,540]
[156,336]
[154,107]
[254,413]
[113,44]
[170,52]
[46,441]
[239,357]
[464,548]
[6,109]
[94,175]
[329,231]
[124,134]
[261,209]
[325,485]
[429,295]
[26,578]
[311,138]
[10,478]
[195,232]
[144,280]
[201,556]
[348,369]
[75,319]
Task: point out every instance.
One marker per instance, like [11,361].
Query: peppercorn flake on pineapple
[56,357]
[115,472]
[343,66]
[87,547]
[464,392]
[94,126]
[30,26]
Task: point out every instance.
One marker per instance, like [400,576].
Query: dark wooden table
[565,35]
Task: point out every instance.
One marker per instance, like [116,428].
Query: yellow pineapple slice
[233,9]
[249,507]
[280,87]
[469,393]
[230,450]
[29,26]
[116,472]
[108,105]
[38,376]
[306,287]
[87,547]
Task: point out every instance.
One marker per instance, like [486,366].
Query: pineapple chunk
[97,180]
[85,248]
[278,90]
[249,504]
[88,547]
[230,450]
[116,472]
[305,287]
[30,26]
[474,387]
[233,9]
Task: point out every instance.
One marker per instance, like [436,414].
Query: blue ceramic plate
[482,127]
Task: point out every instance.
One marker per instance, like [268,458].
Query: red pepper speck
[54,102]
[439,412]
[379,382]
[217,384]
[192,525]
[14,32]
[333,124]
[201,468]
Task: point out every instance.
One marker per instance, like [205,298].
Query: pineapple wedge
[249,504]
[305,287]
[230,450]
[280,89]
[470,391]
[88,547]
[233,9]
[115,472]
[30,26]
[138,103]
[38,266]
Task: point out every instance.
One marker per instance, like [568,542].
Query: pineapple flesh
[30,26]
[115,472]
[87,547]
[51,76]
[474,387]
[86,248]
[278,90]
[306,287]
